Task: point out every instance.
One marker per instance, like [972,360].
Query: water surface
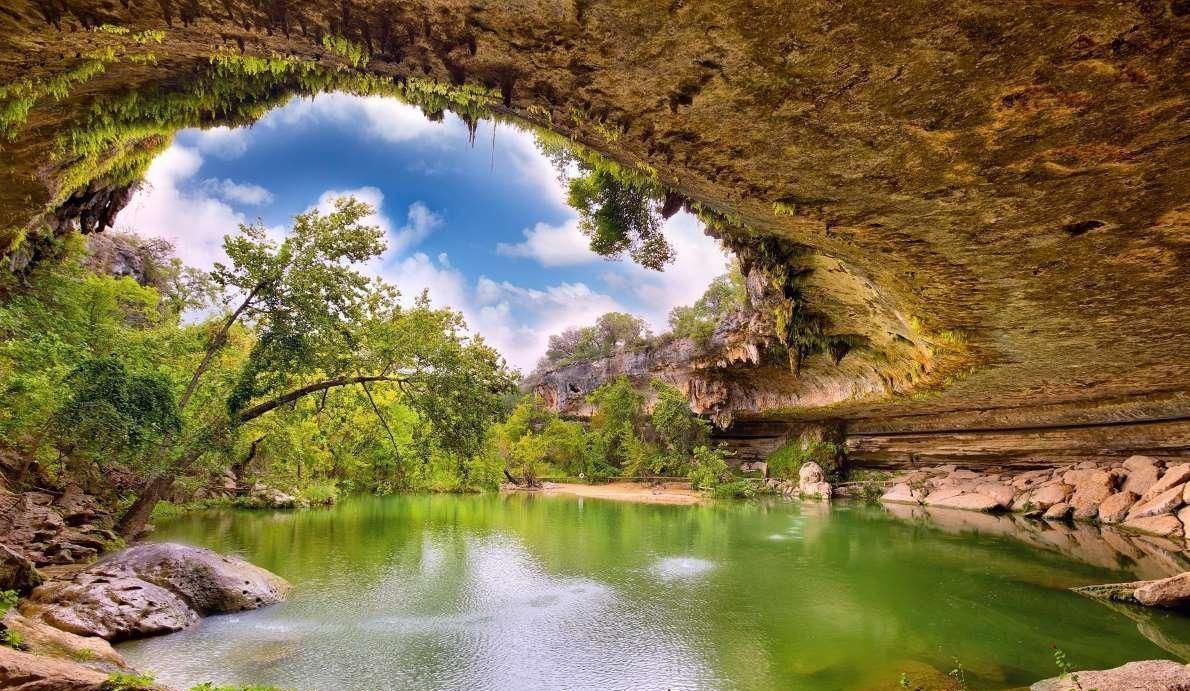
[537,592]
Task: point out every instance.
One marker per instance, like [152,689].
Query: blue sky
[483,227]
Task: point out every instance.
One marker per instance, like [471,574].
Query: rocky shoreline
[1140,494]
[66,625]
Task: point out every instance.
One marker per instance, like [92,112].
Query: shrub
[12,639]
[127,681]
[320,494]
[709,469]
[787,461]
[8,600]
[740,489]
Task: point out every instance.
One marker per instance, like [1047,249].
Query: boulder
[903,494]
[1172,477]
[1058,512]
[810,472]
[269,498]
[1148,675]
[1166,525]
[1165,502]
[1141,478]
[16,572]
[963,474]
[1134,462]
[999,491]
[968,502]
[1184,517]
[1167,592]
[1049,495]
[812,481]
[1115,508]
[942,494]
[1093,488]
[112,607]
[28,672]
[151,589]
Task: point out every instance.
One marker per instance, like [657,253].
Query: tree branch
[262,408]
[215,345]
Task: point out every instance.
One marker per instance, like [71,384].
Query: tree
[611,333]
[621,210]
[618,416]
[679,431]
[320,325]
[725,294]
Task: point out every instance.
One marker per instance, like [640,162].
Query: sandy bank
[667,493]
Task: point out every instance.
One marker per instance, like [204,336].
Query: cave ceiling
[1011,176]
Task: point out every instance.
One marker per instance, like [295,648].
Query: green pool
[540,592]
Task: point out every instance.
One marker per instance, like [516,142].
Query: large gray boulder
[152,589]
[1148,675]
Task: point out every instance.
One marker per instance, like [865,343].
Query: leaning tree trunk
[134,520]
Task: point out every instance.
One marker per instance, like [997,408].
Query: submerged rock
[1149,675]
[153,589]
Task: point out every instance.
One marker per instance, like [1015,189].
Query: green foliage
[534,439]
[8,600]
[612,332]
[110,409]
[320,493]
[709,469]
[787,461]
[680,433]
[724,295]
[621,210]
[618,416]
[739,489]
[1066,669]
[347,49]
[12,639]
[127,681]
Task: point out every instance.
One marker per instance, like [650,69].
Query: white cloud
[698,259]
[420,220]
[517,321]
[194,221]
[560,245]
[223,142]
[241,192]
[386,119]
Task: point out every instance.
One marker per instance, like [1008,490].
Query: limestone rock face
[1167,592]
[152,589]
[1149,675]
[969,502]
[1059,511]
[26,672]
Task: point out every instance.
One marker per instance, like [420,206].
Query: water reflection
[553,592]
